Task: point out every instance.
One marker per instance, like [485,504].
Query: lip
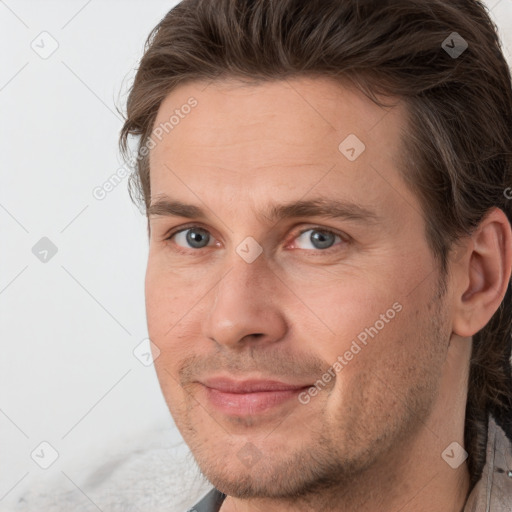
[228,385]
[249,397]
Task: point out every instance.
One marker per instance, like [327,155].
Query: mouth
[249,397]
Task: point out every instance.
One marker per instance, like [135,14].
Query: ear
[482,273]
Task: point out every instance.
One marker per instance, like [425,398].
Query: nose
[246,306]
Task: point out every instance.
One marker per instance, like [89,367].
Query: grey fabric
[153,474]
[493,492]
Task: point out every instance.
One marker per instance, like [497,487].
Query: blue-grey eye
[195,238]
[320,239]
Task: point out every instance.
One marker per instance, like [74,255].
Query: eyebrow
[163,205]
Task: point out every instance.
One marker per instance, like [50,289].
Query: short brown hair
[458,137]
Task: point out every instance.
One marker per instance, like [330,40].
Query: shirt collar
[493,492]
[209,503]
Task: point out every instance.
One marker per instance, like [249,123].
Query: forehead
[283,135]
[302,109]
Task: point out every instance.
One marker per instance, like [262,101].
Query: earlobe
[484,274]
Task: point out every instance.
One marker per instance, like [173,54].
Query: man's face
[348,302]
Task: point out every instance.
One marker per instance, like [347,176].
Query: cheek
[164,308]
[372,343]
[374,367]
[377,308]
[165,300]
[158,308]
[172,291]
[344,313]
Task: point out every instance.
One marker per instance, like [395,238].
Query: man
[326,184]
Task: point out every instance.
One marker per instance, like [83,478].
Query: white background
[68,375]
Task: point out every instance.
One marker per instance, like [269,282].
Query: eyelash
[181,250]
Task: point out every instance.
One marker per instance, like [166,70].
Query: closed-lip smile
[248,397]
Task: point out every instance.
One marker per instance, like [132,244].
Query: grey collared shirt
[492,493]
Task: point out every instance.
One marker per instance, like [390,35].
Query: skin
[372,438]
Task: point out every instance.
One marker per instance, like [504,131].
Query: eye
[318,237]
[193,237]
[196,237]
